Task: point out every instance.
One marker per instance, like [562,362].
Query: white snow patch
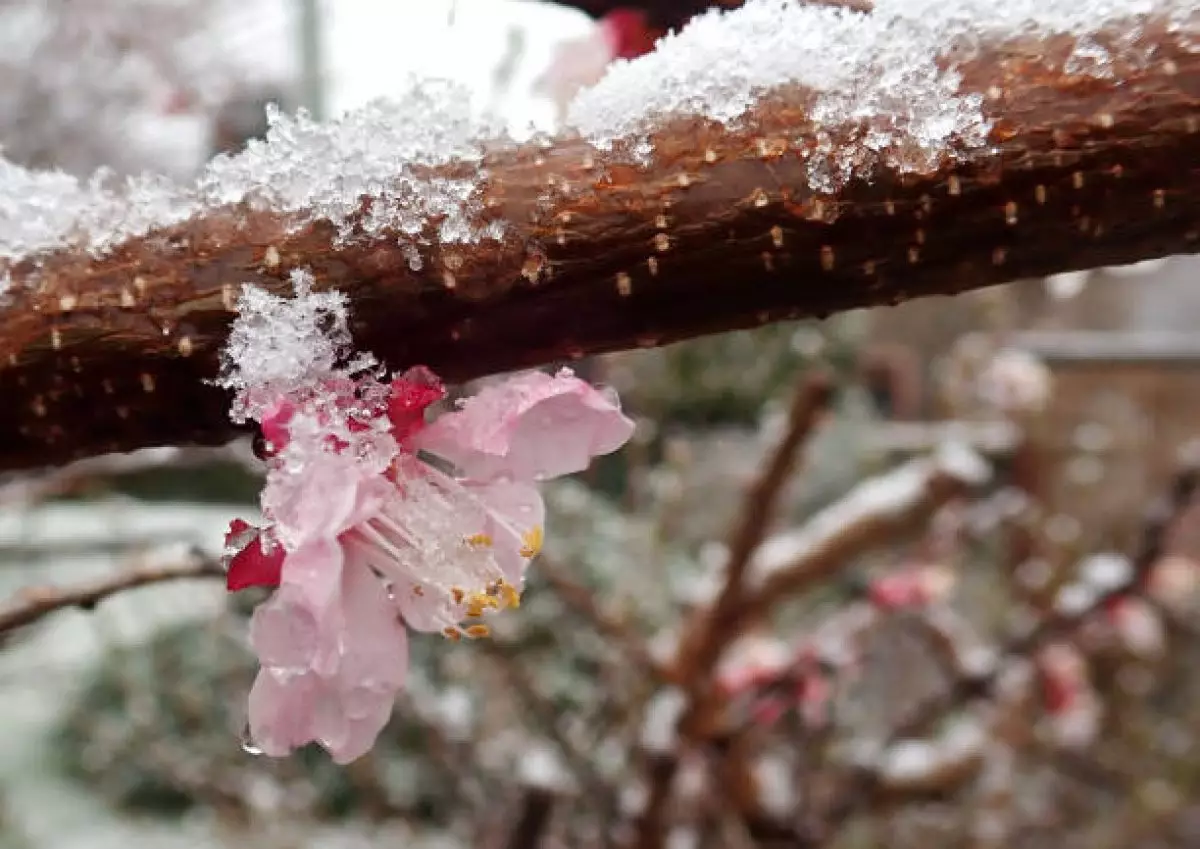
[314,171]
[878,67]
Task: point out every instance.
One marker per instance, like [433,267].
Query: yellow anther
[477,603]
[509,594]
[458,594]
[476,631]
[532,539]
[479,540]
[453,634]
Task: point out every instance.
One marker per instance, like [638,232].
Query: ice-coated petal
[345,707]
[373,668]
[313,576]
[530,427]
[408,397]
[281,711]
[274,426]
[375,642]
[334,493]
[251,566]
[285,631]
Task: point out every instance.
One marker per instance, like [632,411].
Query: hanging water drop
[248,744]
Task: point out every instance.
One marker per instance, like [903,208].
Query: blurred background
[1009,663]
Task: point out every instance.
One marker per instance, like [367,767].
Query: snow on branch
[876,509]
[779,161]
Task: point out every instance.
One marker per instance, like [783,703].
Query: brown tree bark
[720,231]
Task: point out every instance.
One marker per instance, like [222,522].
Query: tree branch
[968,684]
[722,229]
[32,603]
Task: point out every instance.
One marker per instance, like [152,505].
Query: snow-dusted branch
[709,631]
[877,509]
[32,603]
[785,161]
[986,681]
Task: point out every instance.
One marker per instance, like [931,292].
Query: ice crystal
[878,68]
[307,169]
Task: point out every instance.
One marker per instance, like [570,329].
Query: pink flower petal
[281,711]
[274,427]
[334,494]
[251,567]
[373,668]
[285,631]
[375,643]
[345,707]
[516,516]
[530,427]
[628,33]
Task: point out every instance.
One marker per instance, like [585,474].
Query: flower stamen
[532,541]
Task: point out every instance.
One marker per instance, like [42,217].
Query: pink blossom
[365,539]
[1070,700]
[776,685]
[530,427]
[345,706]
[908,587]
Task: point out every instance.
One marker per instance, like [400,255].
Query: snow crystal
[315,170]
[543,767]
[46,209]
[278,344]
[878,67]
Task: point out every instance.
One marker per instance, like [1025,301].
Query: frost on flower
[365,538]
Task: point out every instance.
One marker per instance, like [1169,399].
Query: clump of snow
[314,170]
[372,151]
[879,68]
[41,210]
[927,763]
[662,714]
[280,343]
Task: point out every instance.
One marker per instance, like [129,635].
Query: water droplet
[248,744]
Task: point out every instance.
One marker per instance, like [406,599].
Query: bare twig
[712,627]
[25,488]
[32,603]
[876,510]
